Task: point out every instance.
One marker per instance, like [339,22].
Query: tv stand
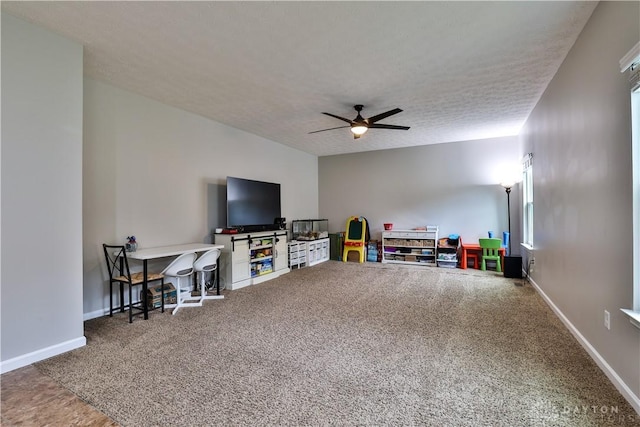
[252,258]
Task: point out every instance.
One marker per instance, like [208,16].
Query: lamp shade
[507,183]
[359,129]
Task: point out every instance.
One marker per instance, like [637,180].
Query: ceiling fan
[360,125]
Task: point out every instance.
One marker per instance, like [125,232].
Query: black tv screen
[252,203]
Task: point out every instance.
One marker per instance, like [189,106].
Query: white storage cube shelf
[308,253]
[418,247]
[297,254]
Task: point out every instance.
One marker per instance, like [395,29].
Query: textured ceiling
[459,70]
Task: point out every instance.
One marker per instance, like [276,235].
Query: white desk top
[164,251]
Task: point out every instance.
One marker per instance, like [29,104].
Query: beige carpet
[347,344]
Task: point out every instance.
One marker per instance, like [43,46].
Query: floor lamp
[507,187]
[512,264]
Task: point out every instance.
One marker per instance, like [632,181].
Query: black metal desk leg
[162,296]
[122,289]
[145,307]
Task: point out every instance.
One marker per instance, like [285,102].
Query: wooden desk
[146,254]
[475,247]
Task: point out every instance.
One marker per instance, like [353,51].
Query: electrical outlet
[607,320]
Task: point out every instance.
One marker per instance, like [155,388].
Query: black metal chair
[118,267]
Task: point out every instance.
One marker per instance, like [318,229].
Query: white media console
[251,258]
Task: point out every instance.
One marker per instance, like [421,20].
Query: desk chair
[179,268]
[354,237]
[118,268]
[491,251]
[206,263]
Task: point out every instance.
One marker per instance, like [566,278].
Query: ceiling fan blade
[374,126]
[381,116]
[339,118]
[339,127]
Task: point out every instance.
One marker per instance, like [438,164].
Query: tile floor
[29,398]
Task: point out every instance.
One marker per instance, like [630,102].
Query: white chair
[179,268]
[206,263]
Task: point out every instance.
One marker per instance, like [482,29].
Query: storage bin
[335,246]
[447,264]
[153,295]
[372,251]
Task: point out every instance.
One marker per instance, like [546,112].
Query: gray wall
[41,281]
[580,137]
[84,163]
[455,186]
[151,170]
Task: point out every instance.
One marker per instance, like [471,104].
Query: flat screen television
[252,205]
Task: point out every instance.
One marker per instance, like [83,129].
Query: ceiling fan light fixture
[359,129]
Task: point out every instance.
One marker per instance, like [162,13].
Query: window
[527,200]
[631,62]
[635,150]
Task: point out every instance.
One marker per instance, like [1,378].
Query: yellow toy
[354,237]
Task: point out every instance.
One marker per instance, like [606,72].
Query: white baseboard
[600,361]
[95,314]
[42,354]
[103,312]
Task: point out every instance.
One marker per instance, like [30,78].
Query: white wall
[454,185]
[147,167]
[41,280]
[580,137]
